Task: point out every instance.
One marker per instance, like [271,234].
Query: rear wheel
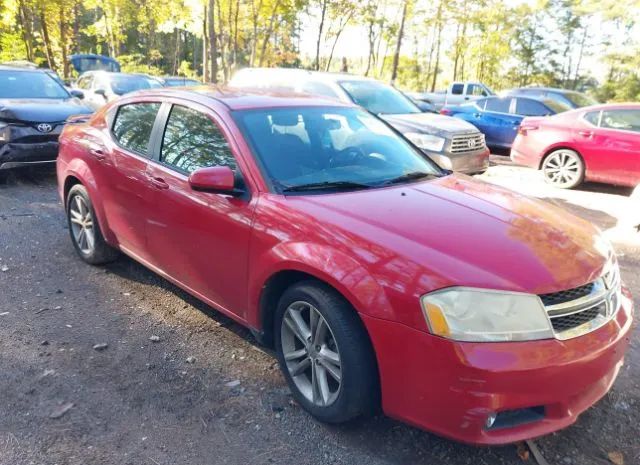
[325,353]
[563,168]
[85,230]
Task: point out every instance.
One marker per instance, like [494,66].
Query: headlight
[481,315]
[426,141]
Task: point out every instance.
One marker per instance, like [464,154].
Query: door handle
[477,115]
[158,183]
[586,133]
[98,154]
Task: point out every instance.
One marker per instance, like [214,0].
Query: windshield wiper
[409,177]
[342,185]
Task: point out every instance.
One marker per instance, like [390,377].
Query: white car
[101,87]
[452,143]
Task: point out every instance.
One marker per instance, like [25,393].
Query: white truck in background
[458,92]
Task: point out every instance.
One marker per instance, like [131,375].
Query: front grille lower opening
[513,418]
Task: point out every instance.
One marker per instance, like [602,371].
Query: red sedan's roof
[245,99]
[612,106]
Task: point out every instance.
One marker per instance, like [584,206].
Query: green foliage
[500,42]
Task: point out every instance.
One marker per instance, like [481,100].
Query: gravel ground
[114,365]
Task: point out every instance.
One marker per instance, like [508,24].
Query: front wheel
[325,353]
[563,168]
[84,228]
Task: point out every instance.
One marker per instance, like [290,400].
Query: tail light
[524,128]
[446,111]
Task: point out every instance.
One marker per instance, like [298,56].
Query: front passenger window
[191,141]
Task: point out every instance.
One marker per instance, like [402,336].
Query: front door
[201,239]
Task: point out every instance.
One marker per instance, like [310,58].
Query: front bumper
[451,387]
[467,163]
[21,154]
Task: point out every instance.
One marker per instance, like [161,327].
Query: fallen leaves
[616,457]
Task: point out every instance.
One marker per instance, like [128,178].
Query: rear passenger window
[528,107]
[133,124]
[500,105]
[457,89]
[191,141]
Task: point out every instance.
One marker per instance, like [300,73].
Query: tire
[563,168]
[332,401]
[83,223]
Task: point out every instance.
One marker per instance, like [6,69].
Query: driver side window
[191,140]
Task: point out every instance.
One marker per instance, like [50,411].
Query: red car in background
[599,143]
[379,279]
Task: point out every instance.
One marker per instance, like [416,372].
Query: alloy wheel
[563,168]
[311,353]
[82,224]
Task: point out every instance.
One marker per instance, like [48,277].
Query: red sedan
[599,143]
[379,279]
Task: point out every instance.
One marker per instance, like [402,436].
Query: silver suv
[452,143]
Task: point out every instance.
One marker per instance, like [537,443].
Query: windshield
[27,84]
[379,98]
[580,100]
[330,149]
[123,84]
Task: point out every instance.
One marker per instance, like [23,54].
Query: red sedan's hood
[464,232]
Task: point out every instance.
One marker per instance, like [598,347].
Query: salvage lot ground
[204,392]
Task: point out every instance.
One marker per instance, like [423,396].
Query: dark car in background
[91,62]
[569,98]
[498,118]
[178,81]
[33,110]
[101,87]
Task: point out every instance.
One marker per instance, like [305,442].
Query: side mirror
[102,92]
[218,179]
[77,93]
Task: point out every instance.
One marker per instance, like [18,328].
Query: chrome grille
[467,143]
[566,296]
[580,310]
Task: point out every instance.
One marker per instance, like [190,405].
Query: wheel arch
[78,172]
[550,150]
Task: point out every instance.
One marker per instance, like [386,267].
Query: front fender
[344,273]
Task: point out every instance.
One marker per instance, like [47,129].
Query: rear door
[201,239]
[129,193]
[498,122]
[611,146]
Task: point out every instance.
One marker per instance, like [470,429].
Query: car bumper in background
[524,159]
[534,387]
[13,155]
[467,163]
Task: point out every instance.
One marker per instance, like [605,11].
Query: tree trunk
[235,35]
[176,52]
[27,33]
[213,46]
[254,39]
[46,39]
[205,51]
[579,63]
[396,55]
[438,43]
[341,28]
[267,35]
[63,41]
[76,26]
[320,30]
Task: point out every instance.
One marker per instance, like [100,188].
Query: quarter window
[191,141]
[133,124]
[592,117]
[499,105]
[627,120]
[528,107]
